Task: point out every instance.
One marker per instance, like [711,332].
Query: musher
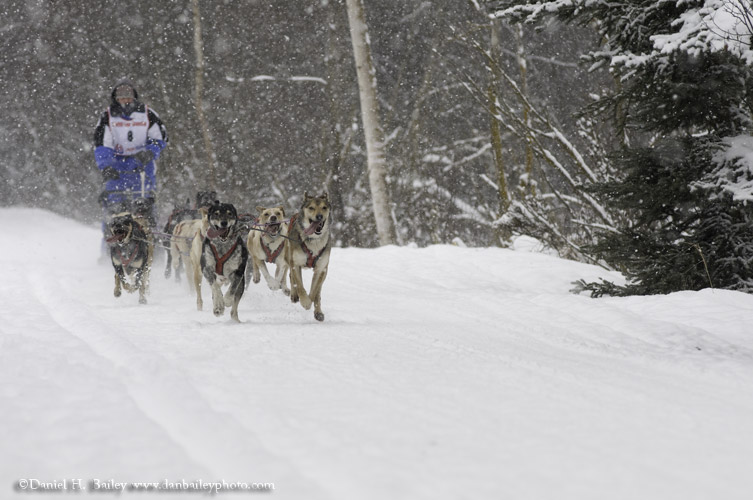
[127,142]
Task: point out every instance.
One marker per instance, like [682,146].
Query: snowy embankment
[439,373]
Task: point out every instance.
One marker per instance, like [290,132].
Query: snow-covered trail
[438,373]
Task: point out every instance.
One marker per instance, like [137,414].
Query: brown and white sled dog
[223,259]
[309,246]
[130,254]
[180,214]
[181,242]
[266,244]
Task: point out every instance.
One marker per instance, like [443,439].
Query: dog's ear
[306,196]
[282,210]
[260,209]
[325,196]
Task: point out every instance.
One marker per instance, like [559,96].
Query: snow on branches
[714,25]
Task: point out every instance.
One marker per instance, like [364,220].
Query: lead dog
[130,255]
[223,259]
[309,246]
[266,244]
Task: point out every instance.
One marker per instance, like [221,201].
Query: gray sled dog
[309,246]
[131,255]
[223,259]
[266,244]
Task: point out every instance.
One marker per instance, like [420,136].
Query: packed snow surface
[438,373]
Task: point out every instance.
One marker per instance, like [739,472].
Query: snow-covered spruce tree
[685,102]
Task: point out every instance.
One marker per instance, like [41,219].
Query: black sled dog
[131,255]
[223,259]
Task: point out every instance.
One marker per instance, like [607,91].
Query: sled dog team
[217,246]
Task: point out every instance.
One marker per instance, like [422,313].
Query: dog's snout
[319,217]
[223,223]
[273,218]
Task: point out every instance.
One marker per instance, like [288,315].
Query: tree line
[497,118]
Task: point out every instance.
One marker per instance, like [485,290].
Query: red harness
[123,261]
[272,256]
[220,264]
[311,258]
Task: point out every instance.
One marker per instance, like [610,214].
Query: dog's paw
[273,284]
[117,293]
[218,304]
[306,302]
[142,300]
[293,298]
[286,291]
[319,315]
[256,279]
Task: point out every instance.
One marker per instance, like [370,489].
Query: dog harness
[220,264]
[310,257]
[272,256]
[311,260]
[123,261]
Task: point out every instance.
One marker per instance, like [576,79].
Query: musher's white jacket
[118,137]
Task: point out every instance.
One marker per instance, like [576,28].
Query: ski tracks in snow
[214,441]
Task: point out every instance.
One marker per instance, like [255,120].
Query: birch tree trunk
[198,46]
[373,132]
